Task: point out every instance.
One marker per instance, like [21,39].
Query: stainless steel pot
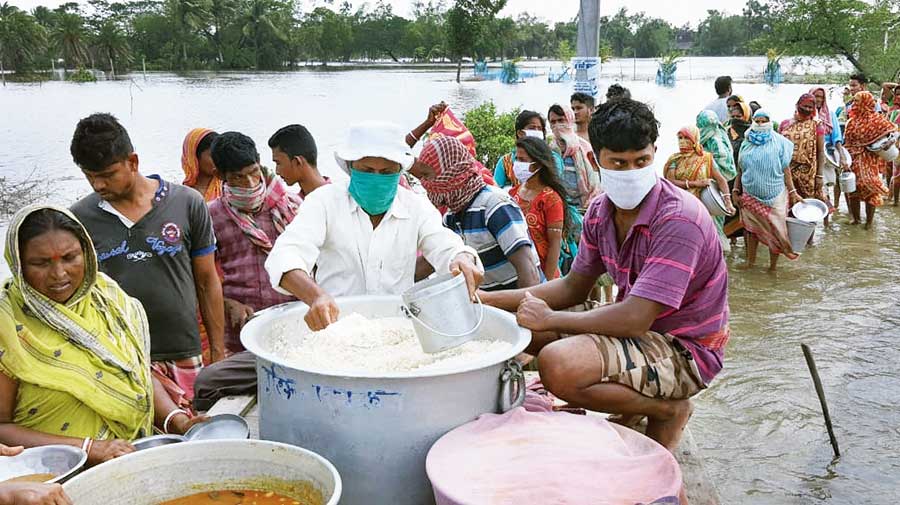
[177,470]
[378,428]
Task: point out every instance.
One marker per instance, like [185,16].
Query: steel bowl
[156,441]
[64,461]
[220,427]
[811,210]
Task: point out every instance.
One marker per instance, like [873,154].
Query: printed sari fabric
[190,164]
[768,223]
[82,367]
[691,163]
[715,141]
[804,134]
[865,127]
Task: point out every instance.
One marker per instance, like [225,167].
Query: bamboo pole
[817,382]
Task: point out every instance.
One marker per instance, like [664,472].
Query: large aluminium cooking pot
[177,470]
[377,428]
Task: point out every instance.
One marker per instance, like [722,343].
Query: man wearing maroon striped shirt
[663,340]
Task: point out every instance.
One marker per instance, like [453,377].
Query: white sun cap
[376,139]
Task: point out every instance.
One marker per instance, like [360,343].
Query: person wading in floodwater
[671,323]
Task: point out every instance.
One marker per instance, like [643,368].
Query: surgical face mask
[522,170]
[373,192]
[628,188]
[538,134]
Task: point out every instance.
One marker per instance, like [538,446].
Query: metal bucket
[832,166]
[711,196]
[442,313]
[377,429]
[177,470]
[799,232]
[848,182]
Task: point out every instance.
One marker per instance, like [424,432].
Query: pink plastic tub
[554,458]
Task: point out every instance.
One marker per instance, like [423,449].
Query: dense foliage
[494,131]
[280,34]
[862,32]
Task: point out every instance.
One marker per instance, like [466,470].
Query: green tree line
[279,34]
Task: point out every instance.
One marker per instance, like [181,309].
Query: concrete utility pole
[587,64]
[588,43]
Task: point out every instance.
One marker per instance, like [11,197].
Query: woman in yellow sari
[691,168]
[74,347]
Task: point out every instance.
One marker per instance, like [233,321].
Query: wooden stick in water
[811,363]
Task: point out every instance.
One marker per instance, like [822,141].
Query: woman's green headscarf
[95,347]
[714,139]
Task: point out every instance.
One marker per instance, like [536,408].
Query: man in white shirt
[720,105]
[362,237]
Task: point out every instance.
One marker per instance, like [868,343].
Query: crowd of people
[770,166]
[123,314]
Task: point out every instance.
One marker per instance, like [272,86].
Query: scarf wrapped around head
[737,127]
[190,163]
[824,112]
[692,135]
[759,134]
[581,152]
[271,194]
[865,125]
[691,163]
[458,178]
[95,346]
[715,141]
[809,100]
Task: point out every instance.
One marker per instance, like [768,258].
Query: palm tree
[258,22]
[190,17]
[21,39]
[70,39]
[112,45]
[44,16]
[221,12]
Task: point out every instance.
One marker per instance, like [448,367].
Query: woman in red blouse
[542,197]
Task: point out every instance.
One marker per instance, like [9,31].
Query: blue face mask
[373,192]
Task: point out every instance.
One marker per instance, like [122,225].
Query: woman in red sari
[865,127]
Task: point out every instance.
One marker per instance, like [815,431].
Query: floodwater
[759,426]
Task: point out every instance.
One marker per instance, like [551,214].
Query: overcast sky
[677,12]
